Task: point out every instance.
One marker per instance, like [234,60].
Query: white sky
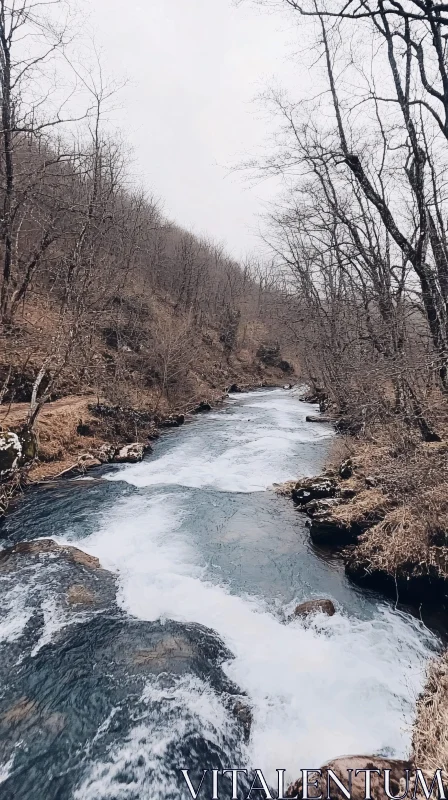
[194,68]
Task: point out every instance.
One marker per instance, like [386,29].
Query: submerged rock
[8,557]
[315,607]
[80,595]
[81,676]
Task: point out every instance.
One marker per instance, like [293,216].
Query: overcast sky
[194,67]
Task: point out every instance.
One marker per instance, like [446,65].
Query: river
[110,700]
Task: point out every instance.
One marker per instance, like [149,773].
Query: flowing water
[191,624]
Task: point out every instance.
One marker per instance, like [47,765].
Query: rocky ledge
[334,518]
[348,511]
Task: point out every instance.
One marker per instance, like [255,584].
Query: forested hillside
[101,296]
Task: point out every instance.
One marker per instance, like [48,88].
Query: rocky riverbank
[76,433]
[382,506]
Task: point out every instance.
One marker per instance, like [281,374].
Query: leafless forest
[99,292]
[360,239]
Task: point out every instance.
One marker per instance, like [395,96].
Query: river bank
[191,535]
[380,506]
[79,432]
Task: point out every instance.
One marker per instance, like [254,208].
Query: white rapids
[339,685]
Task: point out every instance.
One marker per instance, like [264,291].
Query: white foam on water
[13,622]
[6,769]
[337,686]
[244,453]
[32,595]
[55,619]
[146,755]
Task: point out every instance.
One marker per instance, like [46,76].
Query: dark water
[187,626]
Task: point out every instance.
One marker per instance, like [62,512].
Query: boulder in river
[10,454]
[315,607]
[348,765]
[309,489]
[45,546]
[131,453]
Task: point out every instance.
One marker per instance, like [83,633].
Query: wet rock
[346,469]
[315,395]
[43,546]
[10,454]
[80,595]
[319,506]
[243,713]
[234,389]
[99,674]
[163,651]
[20,711]
[326,530]
[318,418]
[87,461]
[175,421]
[315,607]
[287,386]
[202,407]
[313,489]
[340,767]
[131,453]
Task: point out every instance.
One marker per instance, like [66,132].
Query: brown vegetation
[103,301]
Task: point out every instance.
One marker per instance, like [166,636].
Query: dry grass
[407,503]
[369,505]
[430,733]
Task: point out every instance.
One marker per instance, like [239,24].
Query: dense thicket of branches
[97,288]
[363,228]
